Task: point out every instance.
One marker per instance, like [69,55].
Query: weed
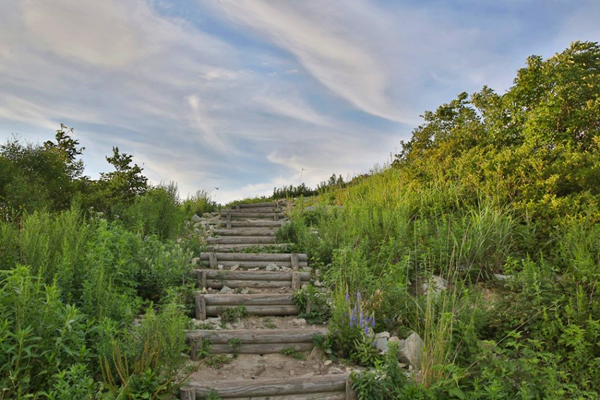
[290,351]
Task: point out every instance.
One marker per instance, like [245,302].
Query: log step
[211,305]
[253,209]
[241,246]
[244,232]
[254,341]
[260,205]
[316,387]
[241,240]
[268,257]
[216,279]
[253,224]
[249,214]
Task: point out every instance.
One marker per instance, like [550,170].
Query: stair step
[241,246]
[254,341]
[323,387]
[216,279]
[241,240]
[252,260]
[211,305]
[260,205]
[244,232]
[253,224]
[241,215]
[253,209]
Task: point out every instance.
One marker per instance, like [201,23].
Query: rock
[299,321]
[272,267]
[214,320]
[257,371]
[195,260]
[234,267]
[411,349]
[220,266]
[318,283]
[292,372]
[245,291]
[285,268]
[253,269]
[335,370]
[226,290]
[500,277]
[328,362]
[381,342]
[196,218]
[394,339]
[437,285]
[316,354]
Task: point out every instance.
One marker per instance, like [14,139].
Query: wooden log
[250,275]
[234,284]
[212,259]
[350,393]
[244,232]
[257,348]
[249,214]
[255,264]
[295,280]
[187,393]
[254,336]
[248,299]
[273,387]
[258,205]
[201,278]
[241,239]
[275,310]
[295,261]
[305,396]
[253,209]
[228,220]
[253,224]
[254,257]
[200,301]
[234,247]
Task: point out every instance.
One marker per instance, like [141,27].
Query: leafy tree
[126,182]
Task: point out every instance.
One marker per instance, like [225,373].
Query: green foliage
[489,184]
[231,314]
[295,354]
[320,308]
[199,204]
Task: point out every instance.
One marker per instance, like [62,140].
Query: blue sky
[246,95]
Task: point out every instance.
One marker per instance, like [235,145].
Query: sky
[248,95]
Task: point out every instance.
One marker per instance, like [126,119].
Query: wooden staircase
[275,276]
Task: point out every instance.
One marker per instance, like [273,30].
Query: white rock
[411,350]
[196,218]
[328,362]
[234,267]
[272,267]
[381,344]
[437,285]
[195,260]
[500,277]
[385,335]
[335,370]
[226,290]
[220,266]
[299,321]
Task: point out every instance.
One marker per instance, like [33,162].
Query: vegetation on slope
[94,276]
[489,184]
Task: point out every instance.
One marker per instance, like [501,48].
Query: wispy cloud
[246,95]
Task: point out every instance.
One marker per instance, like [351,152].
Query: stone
[381,341]
[220,266]
[437,285]
[411,349]
[394,339]
[196,218]
[226,290]
[272,267]
[335,370]
[257,371]
[234,267]
[318,283]
[316,354]
[292,372]
[328,362]
[500,277]
[299,321]
[195,260]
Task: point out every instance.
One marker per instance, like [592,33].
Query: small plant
[290,351]
[205,326]
[213,395]
[232,314]
[234,344]
[217,360]
[268,323]
[313,304]
[204,348]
